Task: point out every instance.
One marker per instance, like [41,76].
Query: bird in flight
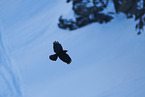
[60,53]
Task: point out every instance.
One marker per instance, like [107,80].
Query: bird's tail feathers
[53,57]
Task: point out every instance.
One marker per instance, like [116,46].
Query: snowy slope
[108,60]
[9,82]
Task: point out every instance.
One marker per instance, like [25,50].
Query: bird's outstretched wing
[57,47]
[53,57]
[65,58]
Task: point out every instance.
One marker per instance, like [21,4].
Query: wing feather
[65,58]
[57,47]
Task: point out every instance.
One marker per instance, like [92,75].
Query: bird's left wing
[57,47]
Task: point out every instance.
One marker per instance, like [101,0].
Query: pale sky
[108,60]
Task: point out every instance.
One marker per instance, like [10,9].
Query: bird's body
[60,53]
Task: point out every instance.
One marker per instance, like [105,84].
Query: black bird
[60,53]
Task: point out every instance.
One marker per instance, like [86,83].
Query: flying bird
[60,53]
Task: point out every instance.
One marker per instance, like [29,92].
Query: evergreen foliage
[86,14]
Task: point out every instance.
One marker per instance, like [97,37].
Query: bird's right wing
[57,47]
[65,58]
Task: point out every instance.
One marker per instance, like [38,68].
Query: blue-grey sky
[108,60]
